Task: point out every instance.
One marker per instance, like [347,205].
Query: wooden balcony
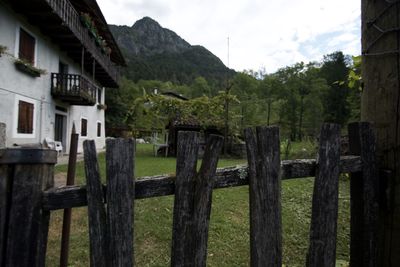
[73,89]
[59,20]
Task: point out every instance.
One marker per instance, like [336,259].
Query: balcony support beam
[94,69]
[83,60]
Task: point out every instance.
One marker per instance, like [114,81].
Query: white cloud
[272,34]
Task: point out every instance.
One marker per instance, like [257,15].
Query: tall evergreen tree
[335,71]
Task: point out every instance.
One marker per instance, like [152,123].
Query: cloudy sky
[262,34]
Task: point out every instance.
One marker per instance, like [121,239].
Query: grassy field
[229,226]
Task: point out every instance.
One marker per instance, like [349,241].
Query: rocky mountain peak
[146,22]
[154,52]
[146,37]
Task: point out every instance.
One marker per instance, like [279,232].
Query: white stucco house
[57,57]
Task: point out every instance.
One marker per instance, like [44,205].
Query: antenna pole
[228,52]
[227,89]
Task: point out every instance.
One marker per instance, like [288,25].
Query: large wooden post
[24,175]
[381,106]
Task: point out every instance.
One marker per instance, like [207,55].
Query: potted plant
[101,106]
[86,20]
[3,50]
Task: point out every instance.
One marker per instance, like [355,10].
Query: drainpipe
[41,120]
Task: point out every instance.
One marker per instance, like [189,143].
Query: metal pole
[73,150]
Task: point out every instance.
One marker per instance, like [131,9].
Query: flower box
[28,68]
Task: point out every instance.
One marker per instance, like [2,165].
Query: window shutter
[99,129]
[29,114]
[21,117]
[83,127]
[26,46]
[25,117]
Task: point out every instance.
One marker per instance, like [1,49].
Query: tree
[292,95]
[269,89]
[355,86]
[245,88]
[119,102]
[335,71]
[200,87]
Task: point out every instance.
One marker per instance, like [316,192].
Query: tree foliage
[335,68]
[298,98]
[157,110]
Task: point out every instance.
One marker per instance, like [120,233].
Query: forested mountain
[156,53]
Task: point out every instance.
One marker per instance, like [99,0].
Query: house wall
[16,85]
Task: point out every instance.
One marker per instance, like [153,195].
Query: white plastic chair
[55,145]
[157,145]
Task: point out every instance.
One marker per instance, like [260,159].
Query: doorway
[63,75]
[60,129]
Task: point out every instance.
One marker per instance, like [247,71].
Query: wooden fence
[27,197]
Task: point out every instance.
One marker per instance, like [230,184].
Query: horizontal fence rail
[162,185]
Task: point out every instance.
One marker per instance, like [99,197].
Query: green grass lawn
[229,225]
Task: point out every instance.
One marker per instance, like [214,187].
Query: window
[26,47]
[25,117]
[98,129]
[83,127]
[99,96]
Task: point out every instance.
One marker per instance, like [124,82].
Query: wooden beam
[162,185]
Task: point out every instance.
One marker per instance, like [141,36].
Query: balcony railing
[71,18]
[73,89]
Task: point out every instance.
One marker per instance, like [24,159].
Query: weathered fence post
[120,168]
[24,175]
[364,188]
[193,194]
[203,198]
[111,232]
[186,162]
[322,249]
[96,208]
[263,153]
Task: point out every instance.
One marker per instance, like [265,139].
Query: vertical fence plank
[263,152]
[43,227]
[120,200]
[186,161]
[364,197]
[27,223]
[24,209]
[96,209]
[322,249]
[251,148]
[203,198]
[356,201]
